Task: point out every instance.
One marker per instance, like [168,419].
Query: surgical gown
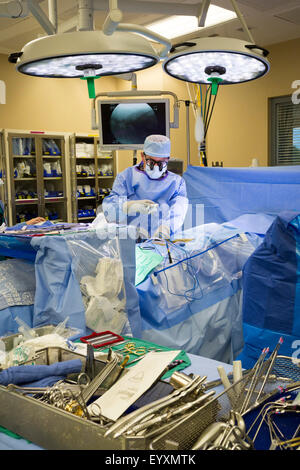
[169,192]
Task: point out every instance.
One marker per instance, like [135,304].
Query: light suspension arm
[113,18]
[14,9]
[203,12]
[41,17]
[149,34]
[242,20]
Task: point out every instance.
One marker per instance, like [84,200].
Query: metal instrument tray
[40,331]
[55,429]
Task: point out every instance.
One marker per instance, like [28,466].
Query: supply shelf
[92,175]
[36,176]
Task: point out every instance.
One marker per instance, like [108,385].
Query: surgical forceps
[230,435]
[276,408]
[93,385]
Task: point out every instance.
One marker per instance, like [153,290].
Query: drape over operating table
[271,303]
[228,193]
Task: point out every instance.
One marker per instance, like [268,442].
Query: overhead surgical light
[86,53]
[70,55]
[217,60]
[214,59]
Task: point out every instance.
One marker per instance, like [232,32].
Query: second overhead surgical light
[229,59]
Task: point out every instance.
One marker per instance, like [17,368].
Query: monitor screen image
[124,124]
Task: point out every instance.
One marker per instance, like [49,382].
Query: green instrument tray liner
[140,343]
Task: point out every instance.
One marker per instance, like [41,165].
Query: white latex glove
[162,232]
[143,206]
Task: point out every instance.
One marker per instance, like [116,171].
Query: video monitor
[124,124]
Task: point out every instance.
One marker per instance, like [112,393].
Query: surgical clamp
[93,385]
[170,414]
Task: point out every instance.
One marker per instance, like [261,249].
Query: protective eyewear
[151,163]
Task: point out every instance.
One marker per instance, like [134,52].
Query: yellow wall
[62,105]
[33,103]
[238,130]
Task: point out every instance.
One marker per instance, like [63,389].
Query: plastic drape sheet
[100,274]
[271,304]
[194,302]
[57,291]
[17,293]
[228,193]
[17,283]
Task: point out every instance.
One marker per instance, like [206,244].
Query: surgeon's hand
[162,232]
[142,206]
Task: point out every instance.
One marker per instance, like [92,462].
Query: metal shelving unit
[96,169]
[3,175]
[36,176]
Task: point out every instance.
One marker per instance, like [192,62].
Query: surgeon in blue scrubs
[148,195]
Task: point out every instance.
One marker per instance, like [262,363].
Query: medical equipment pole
[85,15]
[134,157]
[187,104]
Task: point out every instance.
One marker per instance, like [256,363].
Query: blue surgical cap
[158,146]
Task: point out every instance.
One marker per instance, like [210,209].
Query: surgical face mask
[155,171]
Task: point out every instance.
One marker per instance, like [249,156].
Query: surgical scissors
[132,348]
